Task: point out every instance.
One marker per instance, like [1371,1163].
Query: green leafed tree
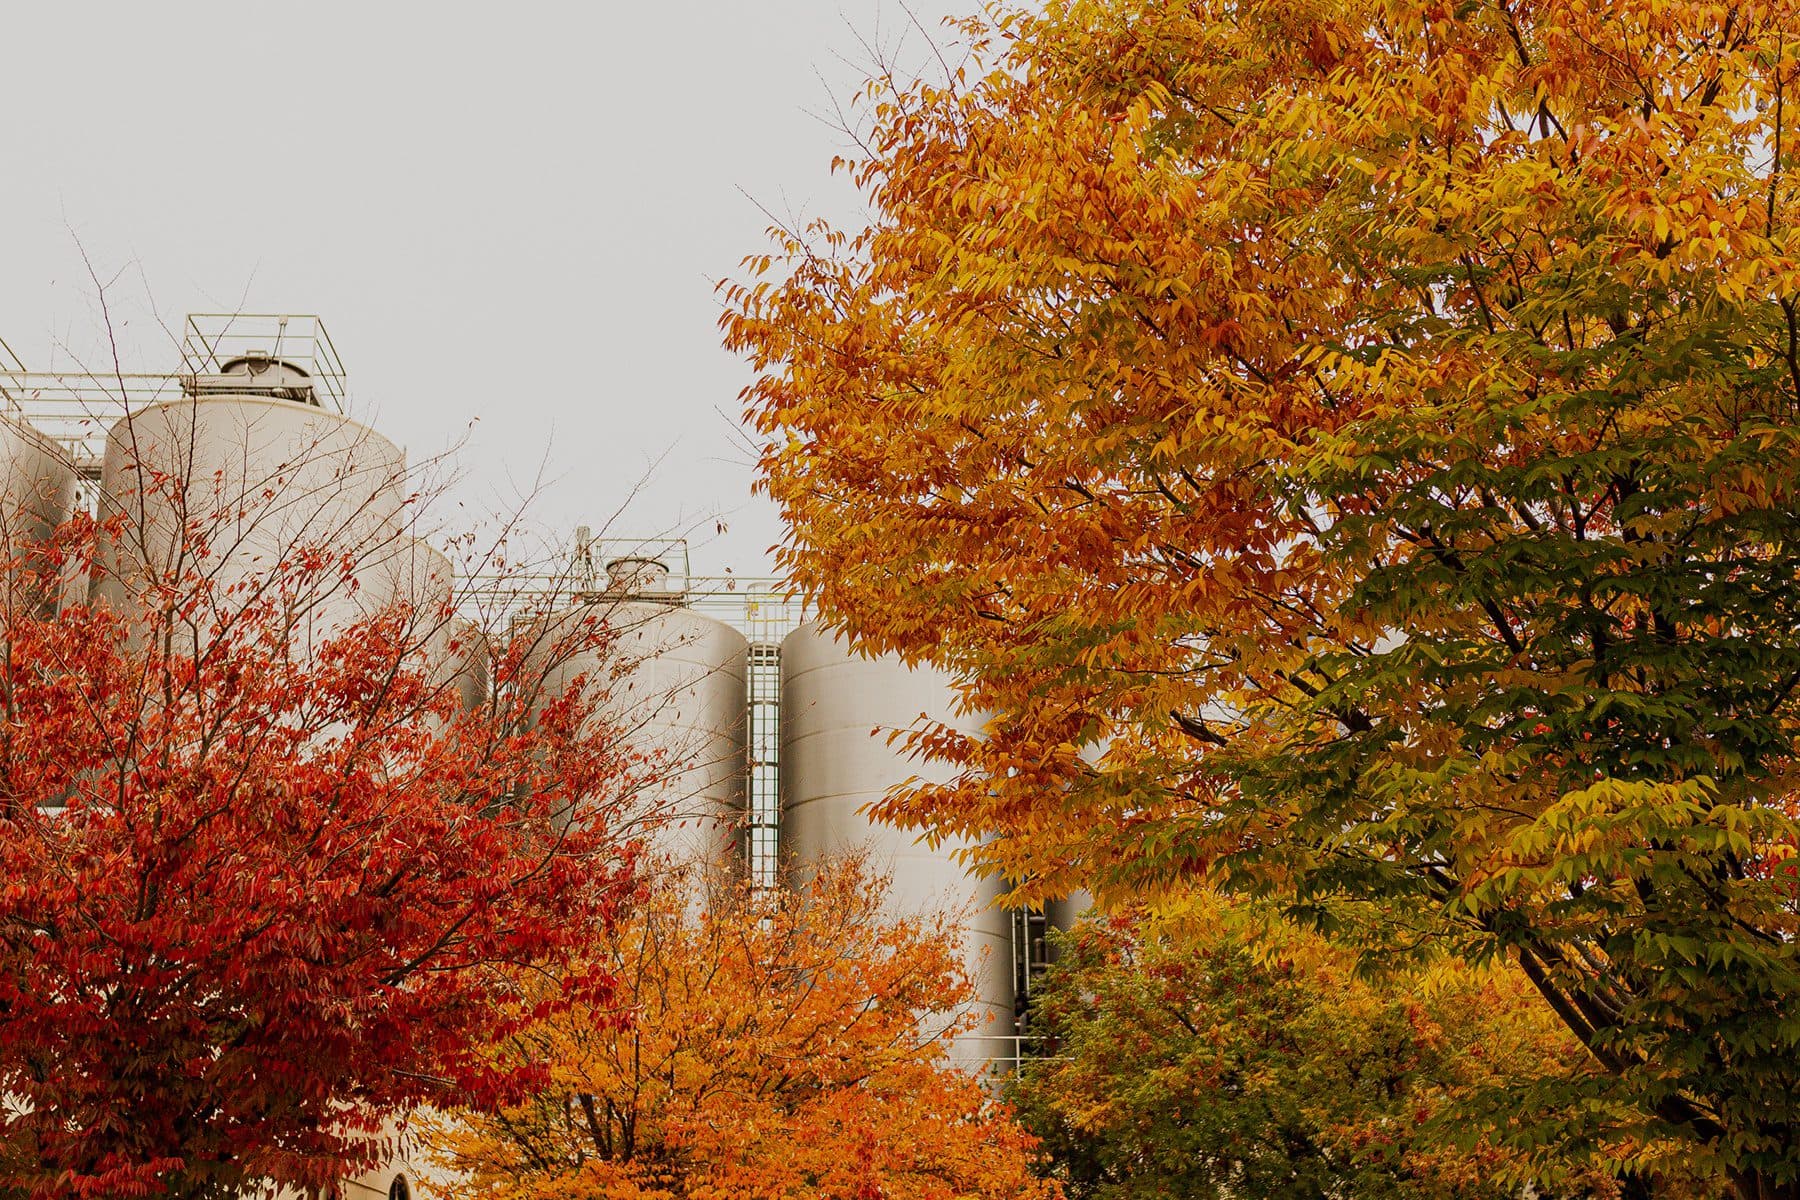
[1377,424]
[1212,1050]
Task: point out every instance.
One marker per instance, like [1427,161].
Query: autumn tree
[760,1045]
[266,873]
[1372,423]
[1211,1050]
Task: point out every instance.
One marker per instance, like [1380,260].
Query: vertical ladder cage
[764,743]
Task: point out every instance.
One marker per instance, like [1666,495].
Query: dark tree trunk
[1756,1185]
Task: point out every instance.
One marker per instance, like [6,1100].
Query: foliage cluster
[1351,448]
[1212,1050]
[263,875]
[760,1046]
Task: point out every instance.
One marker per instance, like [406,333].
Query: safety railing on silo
[77,406]
[212,341]
[1008,1053]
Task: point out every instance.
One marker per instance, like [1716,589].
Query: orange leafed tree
[759,1046]
[1372,424]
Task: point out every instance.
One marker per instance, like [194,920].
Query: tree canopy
[1211,1050]
[266,876]
[1350,447]
[761,1046]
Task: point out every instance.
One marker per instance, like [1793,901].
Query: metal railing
[759,607]
[1007,1053]
[211,340]
[76,408]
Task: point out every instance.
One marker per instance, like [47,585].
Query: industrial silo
[471,664]
[412,570]
[672,682]
[225,484]
[836,757]
[37,490]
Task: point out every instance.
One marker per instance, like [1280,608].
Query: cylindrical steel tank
[1063,914]
[470,663]
[422,573]
[454,650]
[836,758]
[227,487]
[673,682]
[37,490]
[414,571]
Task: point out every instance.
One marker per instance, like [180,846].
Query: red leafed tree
[264,872]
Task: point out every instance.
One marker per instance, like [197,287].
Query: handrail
[77,407]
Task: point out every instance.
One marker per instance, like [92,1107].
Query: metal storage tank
[262,470]
[37,491]
[413,570]
[676,684]
[470,663]
[1064,914]
[836,709]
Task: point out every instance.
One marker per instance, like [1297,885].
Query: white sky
[506,214]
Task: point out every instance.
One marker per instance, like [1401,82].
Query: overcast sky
[513,218]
